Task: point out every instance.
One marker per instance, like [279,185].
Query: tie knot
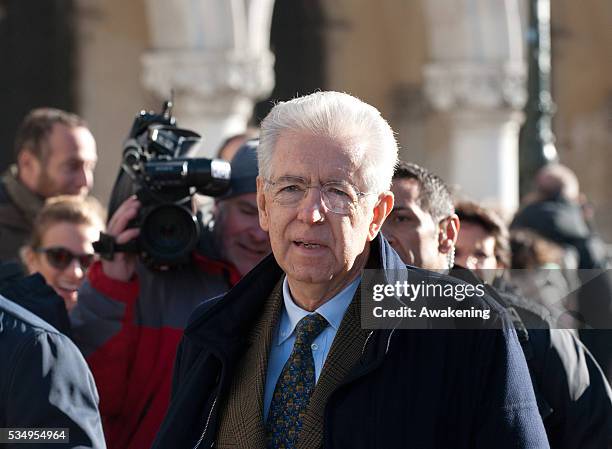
[309,328]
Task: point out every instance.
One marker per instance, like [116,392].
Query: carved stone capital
[212,79]
[478,86]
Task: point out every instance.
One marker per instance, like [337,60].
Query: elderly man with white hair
[282,361]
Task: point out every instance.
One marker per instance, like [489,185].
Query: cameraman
[129,319]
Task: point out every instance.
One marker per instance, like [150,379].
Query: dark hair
[434,197]
[470,212]
[36,127]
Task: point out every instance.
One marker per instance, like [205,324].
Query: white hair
[338,116]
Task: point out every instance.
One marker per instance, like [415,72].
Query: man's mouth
[307,244]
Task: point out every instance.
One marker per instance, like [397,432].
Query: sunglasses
[60,258]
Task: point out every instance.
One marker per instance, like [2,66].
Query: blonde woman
[60,247]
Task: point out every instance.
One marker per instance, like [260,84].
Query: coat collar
[25,200]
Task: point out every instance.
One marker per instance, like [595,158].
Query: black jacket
[562,221]
[411,388]
[573,395]
[44,381]
[46,305]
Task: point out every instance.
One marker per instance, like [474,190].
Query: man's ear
[26,160]
[448,233]
[29,167]
[261,205]
[381,212]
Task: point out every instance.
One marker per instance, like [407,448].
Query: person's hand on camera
[123,265]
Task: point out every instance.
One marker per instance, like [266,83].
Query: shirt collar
[333,310]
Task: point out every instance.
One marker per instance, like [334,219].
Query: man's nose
[89,176]
[83,177]
[311,209]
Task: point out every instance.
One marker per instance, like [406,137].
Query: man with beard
[55,155]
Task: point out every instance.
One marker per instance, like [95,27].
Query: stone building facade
[450,76]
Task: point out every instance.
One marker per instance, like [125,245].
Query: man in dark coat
[573,396]
[556,211]
[282,360]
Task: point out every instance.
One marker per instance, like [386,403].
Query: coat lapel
[244,404]
[343,355]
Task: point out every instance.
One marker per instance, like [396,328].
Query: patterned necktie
[294,387]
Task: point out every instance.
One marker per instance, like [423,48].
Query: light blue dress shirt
[284,335]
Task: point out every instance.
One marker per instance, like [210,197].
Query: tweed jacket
[242,421]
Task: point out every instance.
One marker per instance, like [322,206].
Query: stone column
[477,78]
[214,56]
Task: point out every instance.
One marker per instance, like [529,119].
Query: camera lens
[169,233]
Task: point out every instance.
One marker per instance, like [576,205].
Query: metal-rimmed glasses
[337,196]
[60,258]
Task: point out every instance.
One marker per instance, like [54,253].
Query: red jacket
[129,333]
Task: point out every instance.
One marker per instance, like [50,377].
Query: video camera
[156,169]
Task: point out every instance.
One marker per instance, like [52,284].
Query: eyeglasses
[60,257]
[338,197]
